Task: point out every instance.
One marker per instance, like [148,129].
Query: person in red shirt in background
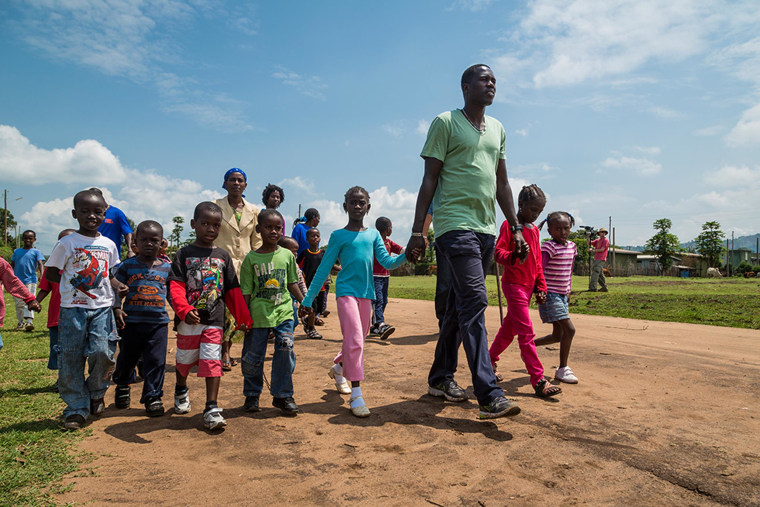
[599,246]
[54,309]
[381,278]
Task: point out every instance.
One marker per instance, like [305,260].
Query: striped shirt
[557,260]
[146,299]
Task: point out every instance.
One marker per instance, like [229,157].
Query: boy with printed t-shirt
[81,263]
[143,320]
[268,276]
[201,282]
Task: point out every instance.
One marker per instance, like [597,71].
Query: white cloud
[298,182]
[133,40]
[521,132]
[87,162]
[733,176]
[422,127]
[470,5]
[710,131]
[666,113]
[747,131]
[649,150]
[395,130]
[642,166]
[311,86]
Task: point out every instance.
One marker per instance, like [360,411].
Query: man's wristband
[417,235]
[516,227]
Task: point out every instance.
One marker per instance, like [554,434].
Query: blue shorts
[555,308]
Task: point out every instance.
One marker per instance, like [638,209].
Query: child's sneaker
[97,407]
[287,405]
[565,374]
[312,334]
[29,326]
[213,420]
[20,326]
[154,407]
[182,403]
[74,422]
[121,398]
[384,331]
[448,389]
[251,404]
[373,331]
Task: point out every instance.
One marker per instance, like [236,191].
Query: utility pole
[613,251]
[5,218]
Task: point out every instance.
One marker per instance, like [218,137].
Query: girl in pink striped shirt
[522,278]
[557,257]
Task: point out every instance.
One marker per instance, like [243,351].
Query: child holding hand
[268,278]
[17,289]
[519,281]
[355,246]
[201,282]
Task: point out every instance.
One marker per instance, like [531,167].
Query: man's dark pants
[469,256]
[442,285]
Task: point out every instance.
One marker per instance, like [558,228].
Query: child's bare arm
[247,299]
[295,290]
[53,275]
[41,295]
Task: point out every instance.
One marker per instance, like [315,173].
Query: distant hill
[748,242]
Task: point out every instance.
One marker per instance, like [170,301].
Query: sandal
[226,366]
[319,322]
[546,390]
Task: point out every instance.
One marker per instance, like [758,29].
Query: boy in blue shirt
[268,277]
[26,262]
[143,319]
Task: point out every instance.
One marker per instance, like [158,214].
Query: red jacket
[529,273]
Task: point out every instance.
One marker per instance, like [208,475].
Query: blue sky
[638,110]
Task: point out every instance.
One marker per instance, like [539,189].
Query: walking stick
[498,291]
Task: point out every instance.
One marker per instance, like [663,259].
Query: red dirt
[665,413]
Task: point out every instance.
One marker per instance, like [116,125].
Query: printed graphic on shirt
[270,281]
[205,282]
[90,266]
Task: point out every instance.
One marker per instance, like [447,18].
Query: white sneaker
[565,374]
[342,387]
[213,419]
[182,403]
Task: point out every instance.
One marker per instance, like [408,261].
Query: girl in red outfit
[519,281]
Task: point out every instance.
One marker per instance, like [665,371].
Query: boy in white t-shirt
[86,325]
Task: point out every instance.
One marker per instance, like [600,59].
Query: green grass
[35,452]
[732,302]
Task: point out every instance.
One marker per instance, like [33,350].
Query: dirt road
[664,414]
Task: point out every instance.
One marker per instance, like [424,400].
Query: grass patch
[732,302]
[35,451]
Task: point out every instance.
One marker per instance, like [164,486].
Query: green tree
[9,236]
[710,243]
[663,244]
[176,236]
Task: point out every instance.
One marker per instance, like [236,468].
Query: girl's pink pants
[355,315]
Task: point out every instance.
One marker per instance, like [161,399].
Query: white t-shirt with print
[85,264]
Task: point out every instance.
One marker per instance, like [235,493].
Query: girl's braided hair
[355,189]
[530,193]
[555,215]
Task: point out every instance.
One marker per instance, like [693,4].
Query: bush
[422,268]
[743,267]
[6,252]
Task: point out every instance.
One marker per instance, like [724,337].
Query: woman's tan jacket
[238,240]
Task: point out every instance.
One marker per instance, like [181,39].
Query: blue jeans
[381,299]
[469,256]
[53,357]
[283,360]
[1,342]
[85,335]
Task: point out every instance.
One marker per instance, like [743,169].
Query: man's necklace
[479,128]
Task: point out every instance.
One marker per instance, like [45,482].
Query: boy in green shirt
[268,277]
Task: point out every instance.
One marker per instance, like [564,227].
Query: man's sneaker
[385,331]
[154,407]
[182,403]
[29,326]
[448,389]
[287,405]
[499,407]
[213,420]
[373,331]
[566,375]
[603,289]
[97,407]
[74,422]
[121,398]
[251,404]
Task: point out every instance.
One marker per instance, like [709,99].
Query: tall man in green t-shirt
[465,172]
